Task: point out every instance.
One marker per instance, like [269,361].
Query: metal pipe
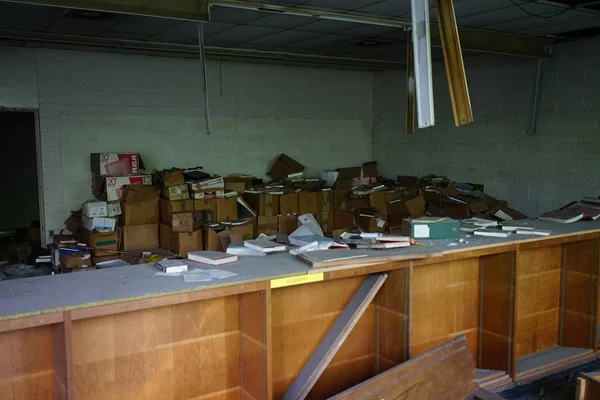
[308,12]
[539,82]
[204,88]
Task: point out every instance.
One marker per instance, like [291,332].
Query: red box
[114,164]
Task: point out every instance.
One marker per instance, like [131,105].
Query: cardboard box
[288,204]
[100,259]
[343,220]
[174,193]
[164,236]
[142,257]
[357,203]
[265,205]
[99,223]
[325,210]
[411,208]
[95,209]
[238,187]
[103,243]
[172,177]
[246,231]
[307,203]
[375,224]
[444,229]
[184,222]
[456,211]
[168,208]
[210,238]
[207,194]
[379,200]
[268,225]
[114,164]
[227,209]
[342,190]
[288,224]
[72,261]
[182,243]
[139,237]
[111,188]
[114,208]
[206,205]
[140,205]
[284,166]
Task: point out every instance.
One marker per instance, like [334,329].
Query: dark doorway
[19,198]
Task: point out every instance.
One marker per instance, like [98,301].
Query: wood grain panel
[393,318]
[255,329]
[580,294]
[26,370]
[343,375]
[538,294]
[180,352]
[301,317]
[495,351]
[62,358]
[445,304]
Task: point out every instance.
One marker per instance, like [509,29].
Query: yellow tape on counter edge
[296,280]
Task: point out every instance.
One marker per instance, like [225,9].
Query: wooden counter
[527,307]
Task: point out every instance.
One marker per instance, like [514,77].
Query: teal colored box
[431,228]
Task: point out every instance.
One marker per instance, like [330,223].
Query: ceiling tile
[74,26]
[284,38]
[234,15]
[27,17]
[368,31]
[388,8]
[528,22]
[328,26]
[279,21]
[341,4]
[322,41]
[187,31]
[133,24]
[244,33]
[553,29]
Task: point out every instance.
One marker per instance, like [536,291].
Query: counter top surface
[40,295]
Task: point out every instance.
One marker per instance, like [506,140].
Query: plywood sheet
[159,353]
[445,304]
[538,299]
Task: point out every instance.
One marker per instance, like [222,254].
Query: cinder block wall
[96,102]
[535,173]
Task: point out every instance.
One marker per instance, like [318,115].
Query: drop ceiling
[256,30]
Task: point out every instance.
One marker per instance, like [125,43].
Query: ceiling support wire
[204,86]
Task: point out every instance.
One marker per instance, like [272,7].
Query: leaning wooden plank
[482,394]
[445,372]
[335,338]
[455,68]
[331,258]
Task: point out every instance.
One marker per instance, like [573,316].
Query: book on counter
[492,232]
[172,266]
[589,213]
[392,238]
[211,257]
[264,246]
[561,216]
[533,232]
[383,245]
[513,226]
[480,222]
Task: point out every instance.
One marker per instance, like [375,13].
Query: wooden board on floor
[547,362]
[588,386]
[446,371]
[335,338]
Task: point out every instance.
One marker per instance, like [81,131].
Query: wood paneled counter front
[528,307]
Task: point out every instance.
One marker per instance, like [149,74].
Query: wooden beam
[192,10]
[455,68]
[62,355]
[334,339]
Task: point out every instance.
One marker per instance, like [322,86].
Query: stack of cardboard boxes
[140,217]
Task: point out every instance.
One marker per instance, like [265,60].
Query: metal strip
[410,88]
[594,300]
[537,97]
[511,309]
[377,346]
[408,309]
[190,10]
[204,89]
[562,295]
[422,56]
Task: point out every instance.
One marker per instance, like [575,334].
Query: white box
[114,208]
[100,224]
[95,209]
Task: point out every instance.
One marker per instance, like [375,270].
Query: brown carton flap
[349,173]
[139,193]
[369,169]
[284,166]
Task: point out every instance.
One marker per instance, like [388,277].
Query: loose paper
[421,231]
